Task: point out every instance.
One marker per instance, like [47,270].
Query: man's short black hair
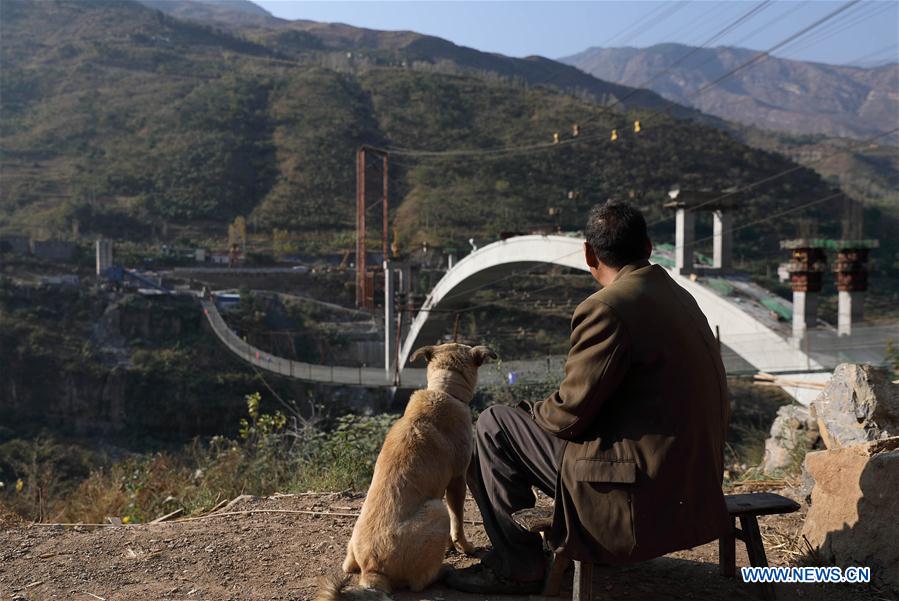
[616,231]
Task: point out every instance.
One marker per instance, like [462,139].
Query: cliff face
[73,365]
[81,364]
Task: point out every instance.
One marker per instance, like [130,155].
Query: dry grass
[9,518]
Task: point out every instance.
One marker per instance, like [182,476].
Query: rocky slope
[779,94]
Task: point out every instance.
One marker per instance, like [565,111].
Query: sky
[865,32]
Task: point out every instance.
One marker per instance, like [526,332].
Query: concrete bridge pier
[805,313]
[684,239]
[851,268]
[806,267]
[723,234]
[850,310]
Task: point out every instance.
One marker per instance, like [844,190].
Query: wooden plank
[727,552]
[554,576]
[756,550]
[583,581]
[759,503]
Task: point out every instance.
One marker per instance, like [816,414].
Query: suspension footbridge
[751,334]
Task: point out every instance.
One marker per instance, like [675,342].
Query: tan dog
[400,538]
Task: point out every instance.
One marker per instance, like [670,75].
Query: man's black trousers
[512,454]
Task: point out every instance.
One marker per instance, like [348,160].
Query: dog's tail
[334,587]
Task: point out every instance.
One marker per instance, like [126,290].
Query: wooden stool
[747,507]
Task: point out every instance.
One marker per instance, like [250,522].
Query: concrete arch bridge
[751,335]
[744,314]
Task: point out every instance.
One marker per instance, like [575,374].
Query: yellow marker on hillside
[636,127]
[614,135]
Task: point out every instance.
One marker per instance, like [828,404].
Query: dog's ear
[481,353]
[426,351]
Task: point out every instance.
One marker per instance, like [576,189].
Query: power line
[877,52]
[774,48]
[838,28]
[706,14]
[754,60]
[793,169]
[697,241]
[796,7]
[475,153]
[722,32]
[638,23]
[760,56]
[670,12]
[769,217]
[785,172]
[726,195]
[694,242]
[813,38]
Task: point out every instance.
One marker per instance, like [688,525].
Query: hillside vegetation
[117,119]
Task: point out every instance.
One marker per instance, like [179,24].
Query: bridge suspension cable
[767,179]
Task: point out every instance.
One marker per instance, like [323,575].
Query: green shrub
[273,452]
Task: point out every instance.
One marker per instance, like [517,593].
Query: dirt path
[271,556]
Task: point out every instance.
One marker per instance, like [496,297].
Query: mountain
[777,94]
[122,121]
[347,46]
[223,13]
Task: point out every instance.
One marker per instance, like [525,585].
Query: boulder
[793,433]
[854,516]
[859,404]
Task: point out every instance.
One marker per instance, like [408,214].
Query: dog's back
[403,514]
[403,529]
[425,447]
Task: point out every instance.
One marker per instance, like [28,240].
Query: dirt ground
[278,555]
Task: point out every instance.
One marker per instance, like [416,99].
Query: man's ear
[481,353]
[590,256]
[426,351]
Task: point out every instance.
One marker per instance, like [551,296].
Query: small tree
[237,232]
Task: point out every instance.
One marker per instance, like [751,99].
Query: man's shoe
[480,579]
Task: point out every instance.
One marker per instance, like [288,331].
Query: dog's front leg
[455,501]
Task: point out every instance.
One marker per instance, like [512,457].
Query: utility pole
[364,280]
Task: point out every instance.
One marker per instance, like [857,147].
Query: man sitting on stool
[630,447]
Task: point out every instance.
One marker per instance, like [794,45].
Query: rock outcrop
[793,433]
[854,516]
[859,404]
